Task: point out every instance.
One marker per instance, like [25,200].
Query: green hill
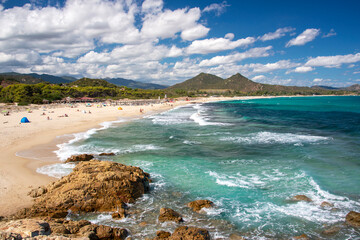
[7,79]
[88,82]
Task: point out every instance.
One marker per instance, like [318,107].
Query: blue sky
[276,42]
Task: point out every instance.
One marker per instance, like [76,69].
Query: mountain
[239,84]
[10,78]
[355,88]
[88,82]
[51,78]
[134,84]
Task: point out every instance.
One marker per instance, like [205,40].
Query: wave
[66,151]
[273,138]
[57,170]
[201,118]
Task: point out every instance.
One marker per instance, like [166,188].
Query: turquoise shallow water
[249,157]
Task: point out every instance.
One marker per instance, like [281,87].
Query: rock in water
[106,154]
[197,205]
[95,185]
[298,198]
[79,158]
[326,205]
[353,219]
[169,215]
[189,233]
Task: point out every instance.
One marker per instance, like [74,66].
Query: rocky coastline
[97,186]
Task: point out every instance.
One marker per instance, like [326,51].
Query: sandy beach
[18,174]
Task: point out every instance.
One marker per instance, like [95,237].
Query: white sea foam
[273,138]
[240,181]
[66,150]
[191,142]
[171,117]
[201,118]
[57,170]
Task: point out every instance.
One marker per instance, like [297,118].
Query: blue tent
[25,120]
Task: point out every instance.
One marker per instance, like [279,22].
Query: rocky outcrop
[58,229]
[25,228]
[106,154]
[235,237]
[299,198]
[197,205]
[93,186]
[353,219]
[169,215]
[162,235]
[80,158]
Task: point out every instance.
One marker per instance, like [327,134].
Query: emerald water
[248,156]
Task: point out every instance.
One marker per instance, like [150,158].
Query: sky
[297,43]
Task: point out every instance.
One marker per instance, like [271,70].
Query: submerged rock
[234,236]
[353,219]
[169,215]
[326,205]
[80,158]
[331,230]
[197,205]
[95,185]
[302,237]
[299,198]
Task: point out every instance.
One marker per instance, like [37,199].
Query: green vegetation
[36,93]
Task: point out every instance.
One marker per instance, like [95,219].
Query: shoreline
[18,173]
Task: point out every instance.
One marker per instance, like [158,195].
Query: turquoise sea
[248,156]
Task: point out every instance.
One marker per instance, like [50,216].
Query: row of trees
[36,93]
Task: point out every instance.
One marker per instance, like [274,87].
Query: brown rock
[162,235]
[92,186]
[167,214]
[190,233]
[302,237]
[326,205]
[197,205]
[298,198]
[353,219]
[37,192]
[143,224]
[25,228]
[106,232]
[80,158]
[106,154]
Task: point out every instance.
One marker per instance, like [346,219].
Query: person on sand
[89,112]
[66,115]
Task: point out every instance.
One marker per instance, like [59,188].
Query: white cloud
[152,6]
[217,44]
[280,32]
[269,67]
[333,61]
[303,69]
[330,34]
[235,57]
[318,80]
[258,77]
[196,32]
[218,8]
[307,36]
[166,24]
[229,36]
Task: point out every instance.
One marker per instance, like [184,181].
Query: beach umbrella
[120,108]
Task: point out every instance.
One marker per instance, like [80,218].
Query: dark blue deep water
[249,157]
